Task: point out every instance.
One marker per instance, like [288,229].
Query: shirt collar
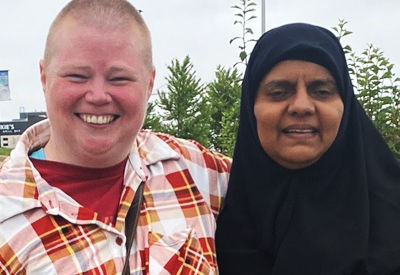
[153,148]
[36,136]
[148,149]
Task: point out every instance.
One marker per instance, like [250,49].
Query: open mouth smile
[300,130]
[97,119]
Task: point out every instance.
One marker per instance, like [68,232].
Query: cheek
[267,117]
[267,124]
[332,118]
[59,93]
[132,102]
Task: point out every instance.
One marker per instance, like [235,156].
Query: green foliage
[244,14]
[153,120]
[230,125]
[377,88]
[224,97]
[190,109]
[183,106]
[207,113]
[4,151]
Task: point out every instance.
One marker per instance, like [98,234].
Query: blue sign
[4,87]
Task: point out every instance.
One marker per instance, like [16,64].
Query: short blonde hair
[101,13]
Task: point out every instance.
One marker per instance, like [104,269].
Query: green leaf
[249,30]
[249,10]
[347,33]
[347,47]
[387,75]
[243,55]
[233,39]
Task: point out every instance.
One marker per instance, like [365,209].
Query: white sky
[198,28]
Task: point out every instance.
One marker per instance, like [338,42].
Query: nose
[97,93]
[301,104]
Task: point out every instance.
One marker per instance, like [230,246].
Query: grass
[4,151]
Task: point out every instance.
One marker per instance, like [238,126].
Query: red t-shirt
[98,189]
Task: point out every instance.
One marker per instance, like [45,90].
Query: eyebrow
[292,84]
[321,82]
[279,84]
[74,67]
[115,69]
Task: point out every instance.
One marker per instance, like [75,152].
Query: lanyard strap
[131,221]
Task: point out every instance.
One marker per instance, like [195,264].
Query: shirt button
[118,240]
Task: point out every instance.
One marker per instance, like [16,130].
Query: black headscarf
[340,215]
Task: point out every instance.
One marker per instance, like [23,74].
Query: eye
[79,78]
[279,94]
[120,80]
[323,93]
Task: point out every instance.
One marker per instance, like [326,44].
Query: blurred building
[11,130]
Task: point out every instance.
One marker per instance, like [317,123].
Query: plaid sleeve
[210,170]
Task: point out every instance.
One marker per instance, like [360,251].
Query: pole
[262,16]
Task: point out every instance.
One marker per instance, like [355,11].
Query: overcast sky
[198,28]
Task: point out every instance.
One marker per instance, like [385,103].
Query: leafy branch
[244,15]
[377,87]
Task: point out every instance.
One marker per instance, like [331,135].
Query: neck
[64,154]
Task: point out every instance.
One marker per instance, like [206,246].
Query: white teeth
[300,131]
[104,119]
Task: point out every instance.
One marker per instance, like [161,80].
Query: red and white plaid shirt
[44,231]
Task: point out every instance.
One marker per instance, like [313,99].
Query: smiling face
[298,111]
[96,86]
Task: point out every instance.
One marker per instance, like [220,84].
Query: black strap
[131,221]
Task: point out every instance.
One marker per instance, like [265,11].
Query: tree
[189,109]
[207,113]
[377,88]
[224,91]
[244,16]
[183,106]
[230,125]
[224,97]
[153,120]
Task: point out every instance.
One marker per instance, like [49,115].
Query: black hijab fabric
[341,215]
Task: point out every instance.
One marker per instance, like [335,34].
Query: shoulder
[190,150]
[2,161]
[207,170]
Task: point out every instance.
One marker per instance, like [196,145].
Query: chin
[301,162]
[298,159]
[97,147]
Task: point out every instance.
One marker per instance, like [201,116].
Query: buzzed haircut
[101,13]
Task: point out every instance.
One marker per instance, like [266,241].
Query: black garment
[341,215]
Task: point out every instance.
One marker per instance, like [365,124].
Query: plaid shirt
[44,231]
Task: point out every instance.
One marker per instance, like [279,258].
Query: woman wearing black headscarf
[314,189]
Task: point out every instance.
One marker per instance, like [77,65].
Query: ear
[42,75]
[151,82]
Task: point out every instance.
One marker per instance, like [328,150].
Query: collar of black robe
[340,215]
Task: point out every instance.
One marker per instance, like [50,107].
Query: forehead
[70,26]
[293,69]
[70,32]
